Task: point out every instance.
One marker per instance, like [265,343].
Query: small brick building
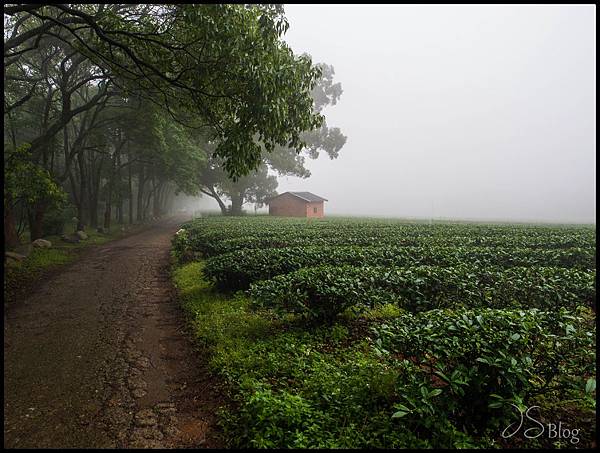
[297,204]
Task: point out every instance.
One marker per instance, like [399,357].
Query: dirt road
[97,356]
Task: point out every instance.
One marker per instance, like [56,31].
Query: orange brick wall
[310,209]
[290,206]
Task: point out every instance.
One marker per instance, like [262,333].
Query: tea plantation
[371,333]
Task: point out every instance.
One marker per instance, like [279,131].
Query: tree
[28,183]
[79,80]
[225,65]
[260,185]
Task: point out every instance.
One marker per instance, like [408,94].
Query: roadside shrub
[318,293]
[181,246]
[55,219]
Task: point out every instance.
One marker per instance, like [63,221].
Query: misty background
[455,111]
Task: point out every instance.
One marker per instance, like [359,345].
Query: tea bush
[474,362]
[237,270]
[324,291]
[444,328]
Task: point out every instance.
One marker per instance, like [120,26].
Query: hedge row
[324,291]
[237,270]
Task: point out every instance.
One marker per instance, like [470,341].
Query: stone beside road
[41,243]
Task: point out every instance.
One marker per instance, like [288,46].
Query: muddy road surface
[97,355]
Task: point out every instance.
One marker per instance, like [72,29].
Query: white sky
[484,112]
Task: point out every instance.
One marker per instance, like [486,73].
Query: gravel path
[97,356]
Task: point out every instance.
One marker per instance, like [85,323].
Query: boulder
[73,239]
[42,243]
[82,235]
[13,256]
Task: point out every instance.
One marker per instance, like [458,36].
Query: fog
[465,112]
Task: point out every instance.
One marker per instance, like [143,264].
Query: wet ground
[97,355]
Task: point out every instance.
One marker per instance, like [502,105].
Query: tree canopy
[123,105]
[262,184]
[220,66]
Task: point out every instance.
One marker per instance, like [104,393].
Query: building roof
[306,196]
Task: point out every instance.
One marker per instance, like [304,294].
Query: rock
[42,243]
[23,249]
[13,256]
[82,235]
[73,239]
[180,231]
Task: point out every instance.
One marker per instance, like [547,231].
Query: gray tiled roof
[306,196]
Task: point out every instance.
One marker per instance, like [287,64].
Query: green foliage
[257,186]
[224,64]
[237,270]
[211,237]
[178,153]
[324,291]
[470,364]
[446,342]
[57,217]
[180,245]
[172,94]
[27,182]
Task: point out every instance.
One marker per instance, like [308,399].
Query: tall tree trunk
[147,205]
[165,205]
[130,196]
[120,219]
[107,214]
[11,237]
[94,193]
[119,204]
[82,192]
[77,199]
[36,219]
[93,197]
[156,200]
[213,193]
[111,181]
[140,195]
[237,200]
[93,210]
